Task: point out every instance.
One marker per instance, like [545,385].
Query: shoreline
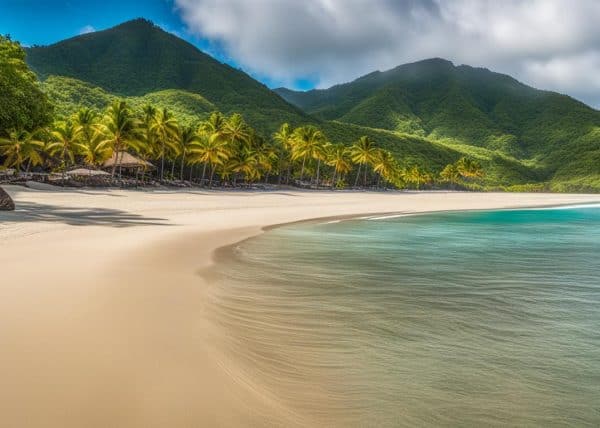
[109,326]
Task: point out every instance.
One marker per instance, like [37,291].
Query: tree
[285,139]
[236,131]
[165,128]
[416,176]
[469,168]
[19,147]
[338,157]
[24,105]
[385,165]
[119,130]
[363,152]
[185,139]
[95,151]
[307,140]
[209,151]
[450,174]
[65,143]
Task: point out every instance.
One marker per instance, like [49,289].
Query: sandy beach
[102,300]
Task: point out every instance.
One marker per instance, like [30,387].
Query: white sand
[102,304]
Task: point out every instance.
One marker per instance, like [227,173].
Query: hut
[127,162]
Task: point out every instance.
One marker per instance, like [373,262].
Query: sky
[302,44]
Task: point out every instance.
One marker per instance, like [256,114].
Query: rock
[6,203]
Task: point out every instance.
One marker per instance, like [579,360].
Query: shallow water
[455,319]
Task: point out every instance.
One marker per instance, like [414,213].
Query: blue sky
[548,44]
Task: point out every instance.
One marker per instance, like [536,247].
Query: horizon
[297,61]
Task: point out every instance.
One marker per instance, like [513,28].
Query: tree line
[223,148]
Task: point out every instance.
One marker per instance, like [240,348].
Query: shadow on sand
[32,212]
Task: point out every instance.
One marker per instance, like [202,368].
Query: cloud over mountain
[552,44]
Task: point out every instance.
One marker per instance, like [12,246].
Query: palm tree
[247,164]
[469,168]
[307,141]
[65,140]
[119,130]
[185,139]
[165,128]
[209,151]
[385,165]
[95,151]
[19,147]
[236,131]
[450,174]
[85,120]
[266,155]
[338,157]
[285,138]
[416,176]
[363,152]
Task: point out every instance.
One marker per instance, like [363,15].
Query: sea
[470,319]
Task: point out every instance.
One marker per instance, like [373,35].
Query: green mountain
[138,58]
[429,113]
[554,135]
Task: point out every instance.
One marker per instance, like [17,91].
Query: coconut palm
[307,140]
[236,131]
[210,152]
[119,130]
[165,130]
[385,165]
[95,150]
[363,152]
[65,140]
[469,168]
[185,138]
[450,174]
[86,121]
[21,147]
[266,155]
[416,176]
[285,139]
[247,164]
[338,156]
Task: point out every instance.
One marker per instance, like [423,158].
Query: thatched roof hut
[127,161]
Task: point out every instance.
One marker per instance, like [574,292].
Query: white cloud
[553,44]
[87,29]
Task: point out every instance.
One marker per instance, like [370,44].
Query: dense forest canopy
[23,104]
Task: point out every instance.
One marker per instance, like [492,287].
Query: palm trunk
[333,179]
[212,173]
[302,170]
[357,174]
[203,175]
[365,182]
[162,161]
[318,171]
[191,173]
[173,169]
[182,162]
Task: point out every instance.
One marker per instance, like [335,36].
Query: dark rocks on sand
[6,203]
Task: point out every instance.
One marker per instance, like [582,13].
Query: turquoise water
[454,319]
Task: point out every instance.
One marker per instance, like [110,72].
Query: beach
[103,299]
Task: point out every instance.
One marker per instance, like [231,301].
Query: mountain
[429,113]
[555,135]
[137,58]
